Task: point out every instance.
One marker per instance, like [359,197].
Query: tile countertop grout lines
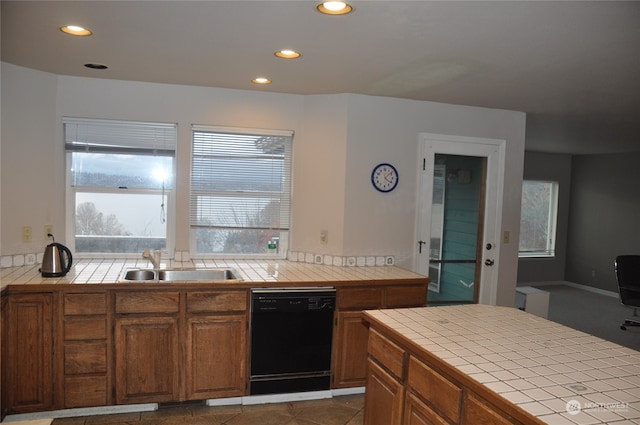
[534,363]
[97,271]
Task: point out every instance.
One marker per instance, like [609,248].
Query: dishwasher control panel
[293,300]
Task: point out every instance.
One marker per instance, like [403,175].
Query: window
[120,182]
[240,191]
[538,218]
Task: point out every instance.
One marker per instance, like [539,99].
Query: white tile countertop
[107,271]
[558,374]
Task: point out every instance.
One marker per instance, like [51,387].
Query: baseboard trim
[82,411]
[283,398]
[149,407]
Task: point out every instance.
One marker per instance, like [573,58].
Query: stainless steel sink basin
[209,275]
[139,275]
[182,275]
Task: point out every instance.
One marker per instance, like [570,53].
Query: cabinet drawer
[418,413]
[387,353]
[359,298]
[85,328]
[85,391]
[405,296]
[439,392]
[476,412]
[85,304]
[147,302]
[85,358]
[218,301]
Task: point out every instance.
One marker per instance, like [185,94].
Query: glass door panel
[456,228]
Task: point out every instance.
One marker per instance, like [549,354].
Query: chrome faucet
[154,258]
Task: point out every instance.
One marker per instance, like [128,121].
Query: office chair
[628,276]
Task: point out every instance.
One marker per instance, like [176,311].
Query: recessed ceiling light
[334,8]
[95,66]
[261,80]
[288,54]
[75,30]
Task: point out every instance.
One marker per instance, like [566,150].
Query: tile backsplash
[341,261]
[20,260]
[300,257]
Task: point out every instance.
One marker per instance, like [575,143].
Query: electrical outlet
[48,228]
[27,234]
[324,236]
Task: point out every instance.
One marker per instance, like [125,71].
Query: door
[459,217]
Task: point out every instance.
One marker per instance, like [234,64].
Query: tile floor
[343,410]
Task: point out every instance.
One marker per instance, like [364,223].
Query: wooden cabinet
[175,346]
[418,413]
[76,346]
[146,359]
[85,365]
[27,361]
[409,387]
[351,333]
[216,344]
[388,394]
[350,342]
[384,399]
[146,346]
[442,395]
[477,412]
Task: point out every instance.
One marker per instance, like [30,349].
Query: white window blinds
[141,138]
[240,179]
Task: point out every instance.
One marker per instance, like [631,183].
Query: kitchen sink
[173,275]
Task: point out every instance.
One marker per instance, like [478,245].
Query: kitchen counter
[84,340]
[252,272]
[553,373]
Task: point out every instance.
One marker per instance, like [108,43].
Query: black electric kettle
[54,263]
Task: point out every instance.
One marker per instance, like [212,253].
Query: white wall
[338,140]
[603,221]
[30,183]
[387,130]
[320,164]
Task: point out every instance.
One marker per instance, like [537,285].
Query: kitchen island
[478,364]
[87,339]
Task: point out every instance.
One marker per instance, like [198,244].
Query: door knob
[488,262]
[489,246]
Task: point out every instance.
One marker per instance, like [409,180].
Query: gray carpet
[593,313]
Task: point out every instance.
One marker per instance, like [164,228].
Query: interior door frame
[494,151]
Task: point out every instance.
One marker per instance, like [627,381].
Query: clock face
[384,177]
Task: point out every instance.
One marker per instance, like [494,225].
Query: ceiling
[572,66]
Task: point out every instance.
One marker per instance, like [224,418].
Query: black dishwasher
[291,335]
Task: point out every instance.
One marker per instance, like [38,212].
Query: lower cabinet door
[216,356]
[384,398]
[350,351]
[147,360]
[27,345]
